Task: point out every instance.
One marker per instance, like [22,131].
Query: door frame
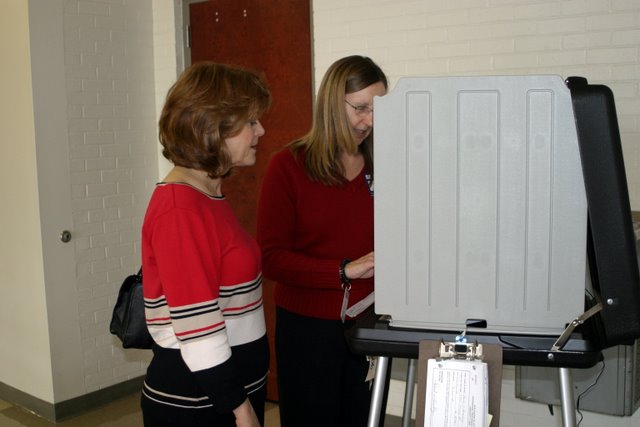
[183,33]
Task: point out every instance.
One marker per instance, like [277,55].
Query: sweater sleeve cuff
[222,386]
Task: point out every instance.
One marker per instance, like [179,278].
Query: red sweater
[305,229]
[203,305]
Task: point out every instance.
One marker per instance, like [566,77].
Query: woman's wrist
[344,279]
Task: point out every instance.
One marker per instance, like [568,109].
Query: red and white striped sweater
[203,302]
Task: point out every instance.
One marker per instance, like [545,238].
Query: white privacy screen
[480,208]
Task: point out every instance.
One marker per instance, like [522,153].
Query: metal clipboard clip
[460,351]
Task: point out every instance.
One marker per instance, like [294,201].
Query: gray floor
[124,412]
[120,413]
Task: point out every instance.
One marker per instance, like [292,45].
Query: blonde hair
[331,131]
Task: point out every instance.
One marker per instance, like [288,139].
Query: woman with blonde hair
[315,228]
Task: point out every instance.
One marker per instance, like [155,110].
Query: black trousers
[170,375]
[320,382]
[215,420]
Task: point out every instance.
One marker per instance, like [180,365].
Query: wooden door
[272,36]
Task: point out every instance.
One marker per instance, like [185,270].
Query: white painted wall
[168,34]
[110,88]
[25,359]
[52,156]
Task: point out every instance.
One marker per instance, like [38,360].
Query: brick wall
[112,148]
[597,39]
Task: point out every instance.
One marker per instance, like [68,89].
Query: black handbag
[128,321]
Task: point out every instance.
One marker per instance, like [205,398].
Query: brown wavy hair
[331,132]
[207,104]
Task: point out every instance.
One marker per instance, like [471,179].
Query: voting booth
[501,213]
[480,206]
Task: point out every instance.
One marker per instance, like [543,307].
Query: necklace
[197,179]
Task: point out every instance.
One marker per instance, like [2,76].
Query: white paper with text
[457,393]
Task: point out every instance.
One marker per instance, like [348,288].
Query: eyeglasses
[361,110]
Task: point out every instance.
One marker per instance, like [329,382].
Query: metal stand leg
[566,396]
[408,393]
[377,395]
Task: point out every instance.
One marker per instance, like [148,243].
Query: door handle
[65,236]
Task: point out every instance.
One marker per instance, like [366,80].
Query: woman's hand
[361,268]
[245,415]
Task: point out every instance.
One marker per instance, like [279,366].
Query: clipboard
[491,355]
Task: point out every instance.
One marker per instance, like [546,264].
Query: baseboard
[56,412]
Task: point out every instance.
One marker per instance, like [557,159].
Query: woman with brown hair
[315,228]
[202,271]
